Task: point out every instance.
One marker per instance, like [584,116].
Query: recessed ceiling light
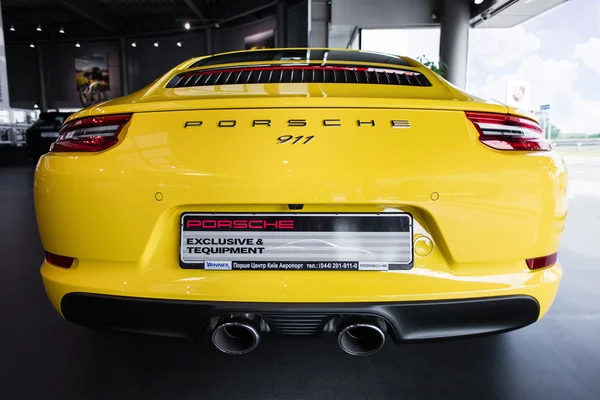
[12,28]
[478,1]
[36,106]
[32,45]
[156,44]
[39,28]
[187,25]
[133,44]
[179,44]
[77,44]
[61,30]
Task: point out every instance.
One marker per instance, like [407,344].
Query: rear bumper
[406,321]
[418,304]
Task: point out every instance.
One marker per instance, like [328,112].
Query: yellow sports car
[295,192]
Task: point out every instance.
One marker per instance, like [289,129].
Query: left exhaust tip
[236,336]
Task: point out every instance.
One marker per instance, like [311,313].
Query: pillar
[318,23]
[123,67]
[40,59]
[4,95]
[455,18]
[208,42]
[281,24]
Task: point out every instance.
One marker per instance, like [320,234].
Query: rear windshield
[302,55]
[54,119]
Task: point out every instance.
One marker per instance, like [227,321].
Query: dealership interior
[60,56]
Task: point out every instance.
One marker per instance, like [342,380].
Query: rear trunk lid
[303,155]
[427,162]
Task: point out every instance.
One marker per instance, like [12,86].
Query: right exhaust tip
[236,336]
[361,338]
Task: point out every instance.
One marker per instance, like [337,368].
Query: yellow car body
[479,213]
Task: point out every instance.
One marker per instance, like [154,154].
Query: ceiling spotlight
[32,45]
[179,44]
[156,44]
[478,1]
[36,106]
[77,44]
[133,44]
[12,28]
[187,25]
[61,30]
[39,28]
[217,25]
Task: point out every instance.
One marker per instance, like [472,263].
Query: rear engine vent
[299,74]
[296,324]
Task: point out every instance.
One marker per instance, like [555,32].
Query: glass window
[355,45]
[417,43]
[548,65]
[283,55]
[52,119]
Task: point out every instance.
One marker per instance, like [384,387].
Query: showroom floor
[42,356]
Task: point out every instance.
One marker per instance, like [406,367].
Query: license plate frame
[303,234]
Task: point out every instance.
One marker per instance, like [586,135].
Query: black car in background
[44,132]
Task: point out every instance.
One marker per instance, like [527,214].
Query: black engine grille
[296,324]
[299,74]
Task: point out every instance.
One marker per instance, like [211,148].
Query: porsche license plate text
[369,242]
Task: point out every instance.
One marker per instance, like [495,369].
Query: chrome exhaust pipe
[360,337]
[236,335]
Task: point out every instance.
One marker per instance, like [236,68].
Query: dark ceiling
[102,19]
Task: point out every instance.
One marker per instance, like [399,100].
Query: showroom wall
[59,71]
[145,62]
[23,75]
[297,25]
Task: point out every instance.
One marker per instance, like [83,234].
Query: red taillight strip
[541,262]
[508,132]
[59,261]
[90,133]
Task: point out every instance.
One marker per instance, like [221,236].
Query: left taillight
[58,260]
[509,132]
[90,134]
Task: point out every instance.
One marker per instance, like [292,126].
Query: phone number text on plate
[302,265]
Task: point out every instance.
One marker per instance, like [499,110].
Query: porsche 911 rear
[295,192]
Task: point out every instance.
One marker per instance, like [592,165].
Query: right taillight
[542,262]
[509,132]
[90,134]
